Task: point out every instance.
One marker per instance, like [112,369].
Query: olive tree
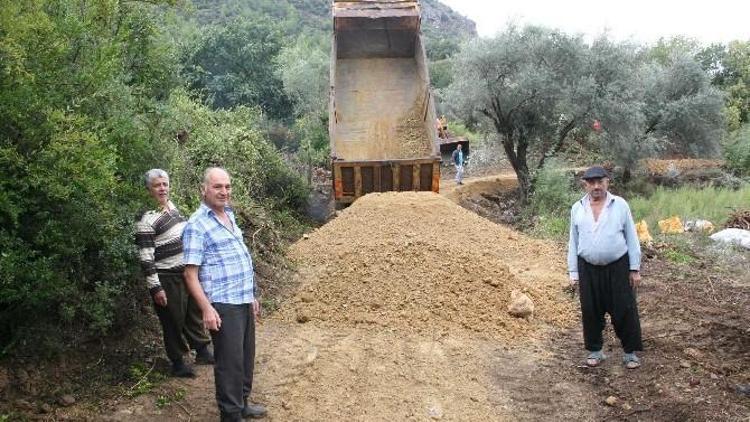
[531,86]
[536,87]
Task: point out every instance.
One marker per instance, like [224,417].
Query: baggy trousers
[606,289]
[180,317]
[234,351]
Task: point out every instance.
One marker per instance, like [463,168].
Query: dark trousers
[606,289]
[181,317]
[234,351]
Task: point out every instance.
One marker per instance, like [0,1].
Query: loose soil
[341,349]
[417,262]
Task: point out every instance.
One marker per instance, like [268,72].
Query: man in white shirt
[604,256]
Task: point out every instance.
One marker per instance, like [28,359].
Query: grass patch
[163,400]
[145,380]
[678,256]
[552,227]
[689,203]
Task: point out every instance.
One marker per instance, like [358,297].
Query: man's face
[597,188]
[459,147]
[217,190]
[159,190]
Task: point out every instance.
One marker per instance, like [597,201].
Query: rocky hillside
[442,19]
[312,15]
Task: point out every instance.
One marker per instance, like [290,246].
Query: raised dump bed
[382,130]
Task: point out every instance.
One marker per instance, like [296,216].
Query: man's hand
[211,319]
[635,279]
[256,309]
[160,298]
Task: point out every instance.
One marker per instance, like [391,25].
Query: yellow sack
[671,225]
[642,229]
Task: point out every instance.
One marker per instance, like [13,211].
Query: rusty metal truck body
[382,116]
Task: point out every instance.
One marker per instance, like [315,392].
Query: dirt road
[404,319]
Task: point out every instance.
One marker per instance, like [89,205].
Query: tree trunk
[517,158]
[524,183]
[626,175]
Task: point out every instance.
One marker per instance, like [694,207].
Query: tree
[665,49]
[655,103]
[530,86]
[619,103]
[234,65]
[304,71]
[78,80]
[681,106]
[90,101]
[304,68]
[736,83]
[535,87]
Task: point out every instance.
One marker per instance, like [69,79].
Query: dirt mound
[418,262]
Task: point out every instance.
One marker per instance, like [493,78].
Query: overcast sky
[639,20]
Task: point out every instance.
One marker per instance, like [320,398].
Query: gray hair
[153,174]
[211,169]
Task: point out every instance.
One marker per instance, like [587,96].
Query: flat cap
[595,172]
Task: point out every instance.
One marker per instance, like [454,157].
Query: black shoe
[180,370]
[203,356]
[254,411]
[230,417]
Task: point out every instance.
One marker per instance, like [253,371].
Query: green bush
[554,190]
[89,103]
[233,140]
[737,152]
[549,205]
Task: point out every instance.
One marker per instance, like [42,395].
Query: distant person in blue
[219,275]
[604,258]
[458,161]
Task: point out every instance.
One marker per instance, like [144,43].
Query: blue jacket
[458,157]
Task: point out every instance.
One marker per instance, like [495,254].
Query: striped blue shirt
[226,268]
[606,240]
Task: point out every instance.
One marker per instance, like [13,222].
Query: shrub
[554,190]
[85,111]
[549,205]
[737,152]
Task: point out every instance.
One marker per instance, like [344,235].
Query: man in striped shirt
[219,274]
[604,255]
[159,240]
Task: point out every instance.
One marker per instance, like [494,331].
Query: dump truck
[382,114]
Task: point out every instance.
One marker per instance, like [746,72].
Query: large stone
[521,306]
[66,400]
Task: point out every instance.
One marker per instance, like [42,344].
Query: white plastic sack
[736,236]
